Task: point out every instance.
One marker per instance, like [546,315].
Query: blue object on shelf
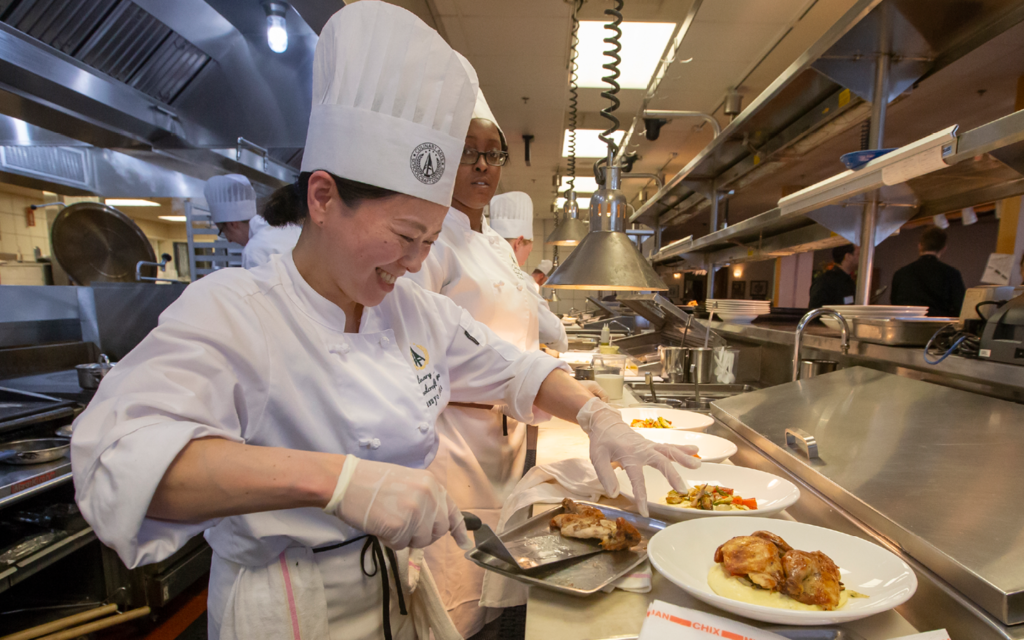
[858,159]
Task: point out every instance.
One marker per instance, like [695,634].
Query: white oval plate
[712,448]
[772,492]
[683,420]
[685,552]
[738,318]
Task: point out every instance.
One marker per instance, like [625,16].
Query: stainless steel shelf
[965,176]
[823,93]
[38,561]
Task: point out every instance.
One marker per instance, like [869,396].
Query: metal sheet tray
[580,577]
[896,332]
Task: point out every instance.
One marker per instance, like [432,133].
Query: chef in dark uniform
[836,285]
[929,282]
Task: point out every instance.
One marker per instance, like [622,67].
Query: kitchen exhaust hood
[164,94]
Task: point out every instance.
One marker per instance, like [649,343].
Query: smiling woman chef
[288,410]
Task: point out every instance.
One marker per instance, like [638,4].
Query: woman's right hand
[403,507]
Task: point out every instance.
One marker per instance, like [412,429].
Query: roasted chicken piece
[757,558]
[776,540]
[581,521]
[811,578]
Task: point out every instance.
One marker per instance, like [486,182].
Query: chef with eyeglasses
[512,218]
[232,202]
[482,449]
[288,412]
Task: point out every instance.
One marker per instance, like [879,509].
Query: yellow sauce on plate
[735,589]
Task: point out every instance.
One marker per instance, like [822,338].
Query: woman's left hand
[612,440]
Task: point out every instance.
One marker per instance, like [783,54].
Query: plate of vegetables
[642,418]
[716,491]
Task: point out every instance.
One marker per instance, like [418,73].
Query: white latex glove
[612,440]
[594,389]
[401,506]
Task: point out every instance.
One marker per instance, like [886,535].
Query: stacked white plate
[738,311]
[876,311]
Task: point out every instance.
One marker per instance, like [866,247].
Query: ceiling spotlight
[277,27]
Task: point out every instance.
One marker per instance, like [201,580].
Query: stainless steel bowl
[34,451]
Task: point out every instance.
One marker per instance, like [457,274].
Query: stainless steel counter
[992,378]
[933,471]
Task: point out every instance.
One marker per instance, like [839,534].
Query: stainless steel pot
[587,372]
[811,368]
[34,451]
[89,375]
[702,361]
[675,362]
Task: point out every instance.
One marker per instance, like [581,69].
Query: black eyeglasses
[494,157]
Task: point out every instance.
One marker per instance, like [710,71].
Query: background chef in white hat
[542,271]
[512,218]
[232,202]
[288,411]
[482,451]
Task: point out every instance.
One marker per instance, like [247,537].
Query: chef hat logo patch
[427,163]
[420,356]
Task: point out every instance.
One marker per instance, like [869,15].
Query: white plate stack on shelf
[738,311]
[874,311]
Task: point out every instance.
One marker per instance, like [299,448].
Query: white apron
[477,463]
[259,357]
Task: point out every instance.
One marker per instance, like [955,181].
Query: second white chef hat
[512,215]
[230,197]
[481,109]
[391,102]
[545,267]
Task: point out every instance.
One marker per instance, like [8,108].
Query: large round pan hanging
[93,242]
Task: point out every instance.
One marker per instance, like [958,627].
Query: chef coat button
[375,444]
[340,348]
[423,427]
[519,286]
[384,341]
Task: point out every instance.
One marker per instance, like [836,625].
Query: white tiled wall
[16,237]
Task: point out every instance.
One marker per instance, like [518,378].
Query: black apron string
[378,565]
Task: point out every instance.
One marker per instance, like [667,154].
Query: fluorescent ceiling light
[588,145]
[583,184]
[582,203]
[173,218]
[130,202]
[643,43]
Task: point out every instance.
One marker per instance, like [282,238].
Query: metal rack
[206,256]
[825,92]
[981,165]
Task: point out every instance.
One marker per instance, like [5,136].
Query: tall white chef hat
[481,109]
[545,267]
[231,198]
[512,215]
[391,103]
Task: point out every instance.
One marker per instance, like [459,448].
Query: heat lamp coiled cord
[573,93]
[612,78]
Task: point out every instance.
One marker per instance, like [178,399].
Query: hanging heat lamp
[606,258]
[570,230]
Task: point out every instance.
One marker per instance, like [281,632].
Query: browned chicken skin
[774,539]
[754,557]
[811,578]
[582,521]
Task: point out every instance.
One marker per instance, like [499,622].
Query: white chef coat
[551,330]
[265,241]
[259,357]
[477,463]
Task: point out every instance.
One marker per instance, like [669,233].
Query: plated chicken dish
[582,521]
[763,569]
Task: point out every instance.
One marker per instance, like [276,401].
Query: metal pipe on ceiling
[669,114]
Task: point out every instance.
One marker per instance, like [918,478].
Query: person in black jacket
[927,282]
[837,286]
